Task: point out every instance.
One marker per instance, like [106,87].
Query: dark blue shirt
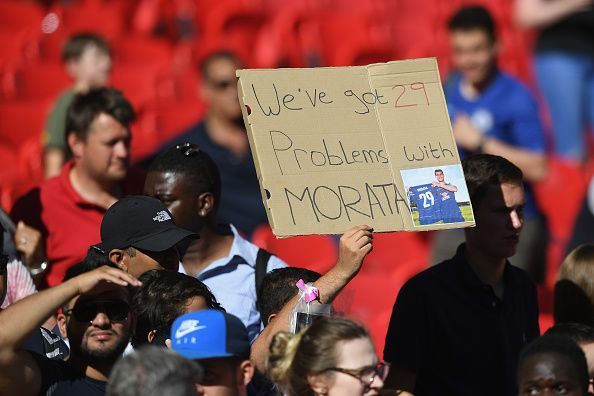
[427,202]
[450,211]
[453,331]
[506,111]
[241,200]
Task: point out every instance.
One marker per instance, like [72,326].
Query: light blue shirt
[232,281]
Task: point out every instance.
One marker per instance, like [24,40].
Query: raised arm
[355,244]
[19,374]
[542,13]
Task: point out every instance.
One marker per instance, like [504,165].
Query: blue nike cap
[208,334]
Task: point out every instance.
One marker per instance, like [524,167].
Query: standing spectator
[99,326]
[219,342]
[223,136]
[68,209]
[186,179]
[331,357]
[153,371]
[493,113]
[458,327]
[564,64]
[87,59]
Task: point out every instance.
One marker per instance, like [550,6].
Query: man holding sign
[458,327]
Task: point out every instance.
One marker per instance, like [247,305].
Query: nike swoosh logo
[182,332]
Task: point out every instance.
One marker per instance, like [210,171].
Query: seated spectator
[457,328]
[221,134]
[220,343]
[574,290]
[187,180]
[152,371]
[138,235]
[164,296]
[87,59]
[580,334]
[98,326]
[68,209]
[278,288]
[492,112]
[552,365]
[331,357]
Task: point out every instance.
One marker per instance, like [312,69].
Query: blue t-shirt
[450,211]
[427,202]
[506,111]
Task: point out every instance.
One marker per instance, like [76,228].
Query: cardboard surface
[330,144]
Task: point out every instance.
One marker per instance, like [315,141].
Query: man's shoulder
[514,88]
[435,275]
[520,277]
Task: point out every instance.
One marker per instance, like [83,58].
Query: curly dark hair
[163,297]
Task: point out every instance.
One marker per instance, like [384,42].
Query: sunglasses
[86,311]
[222,85]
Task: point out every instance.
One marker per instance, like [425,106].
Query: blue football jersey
[450,211]
[427,202]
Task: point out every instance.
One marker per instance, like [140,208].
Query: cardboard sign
[338,147]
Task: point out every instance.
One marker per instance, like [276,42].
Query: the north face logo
[162,216]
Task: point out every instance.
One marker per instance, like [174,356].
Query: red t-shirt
[68,223]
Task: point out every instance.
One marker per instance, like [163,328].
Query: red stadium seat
[41,81]
[20,122]
[141,50]
[143,85]
[316,252]
[102,17]
[16,16]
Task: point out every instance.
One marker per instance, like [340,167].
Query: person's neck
[98,371]
[228,133]
[488,269]
[472,90]
[211,246]
[100,193]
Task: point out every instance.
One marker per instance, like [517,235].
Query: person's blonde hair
[574,290]
[312,351]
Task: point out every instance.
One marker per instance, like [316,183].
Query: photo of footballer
[437,195]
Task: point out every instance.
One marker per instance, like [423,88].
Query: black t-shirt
[58,378]
[456,334]
[574,33]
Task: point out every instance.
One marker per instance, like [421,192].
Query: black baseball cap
[142,222]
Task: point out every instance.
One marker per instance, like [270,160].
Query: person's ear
[318,383]
[119,258]
[71,67]
[271,317]
[168,343]
[151,336]
[76,145]
[246,372]
[62,325]
[206,204]
[496,47]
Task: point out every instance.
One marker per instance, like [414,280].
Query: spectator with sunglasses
[333,356]
[99,326]
[221,133]
[186,179]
